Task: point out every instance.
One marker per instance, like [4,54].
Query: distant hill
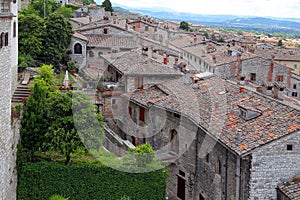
[121,10]
[264,24]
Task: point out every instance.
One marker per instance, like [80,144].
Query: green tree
[30,35]
[279,43]
[64,11]
[46,73]
[56,38]
[144,154]
[34,123]
[107,5]
[62,134]
[37,7]
[184,25]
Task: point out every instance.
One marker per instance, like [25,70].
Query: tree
[34,123]
[64,11]
[56,38]
[30,35]
[184,25]
[46,73]
[62,134]
[279,43]
[107,5]
[37,7]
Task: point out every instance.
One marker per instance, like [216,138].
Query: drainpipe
[238,177]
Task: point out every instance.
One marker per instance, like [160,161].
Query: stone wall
[8,133]
[79,59]
[295,86]
[273,164]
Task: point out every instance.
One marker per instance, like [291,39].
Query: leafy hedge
[87,181]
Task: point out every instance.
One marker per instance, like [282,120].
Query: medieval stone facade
[8,82]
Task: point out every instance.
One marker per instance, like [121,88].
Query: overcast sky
[274,8]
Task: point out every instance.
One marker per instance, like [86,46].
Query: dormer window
[248,113]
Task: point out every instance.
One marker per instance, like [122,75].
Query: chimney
[239,66]
[271,68]
[195,38]
[289,79]
[90,19]
[150,52]
[214,59]
[176,61]
[167,56]
[275,92]
[187,79]
[145,51]
[242,89]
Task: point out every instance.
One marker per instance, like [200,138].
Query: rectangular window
[130,111]
[15,29]
[105,30]
[279,78]
[289,147]
[176,115]
[142,114]
[253,76]
[295,66]
[295,86]
[113,101]
[294,94]
[207,157]
[138,82]
[218,167]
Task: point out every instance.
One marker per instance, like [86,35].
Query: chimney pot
[242,89]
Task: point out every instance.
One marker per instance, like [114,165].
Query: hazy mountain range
[267,24]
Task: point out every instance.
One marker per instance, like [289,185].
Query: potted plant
[101,87]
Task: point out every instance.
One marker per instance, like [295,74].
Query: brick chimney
[195,38]
[271,69]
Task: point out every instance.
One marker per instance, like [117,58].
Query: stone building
[221,140]
[8,82]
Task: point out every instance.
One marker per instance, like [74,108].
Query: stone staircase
[20,92]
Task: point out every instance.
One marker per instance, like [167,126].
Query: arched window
[77,48]
[100,53]
[1,40]
[91,54]
[6,39]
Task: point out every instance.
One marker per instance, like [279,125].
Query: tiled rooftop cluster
[215,107]
[112,41]
[215,54]
[291,188]
[133,62]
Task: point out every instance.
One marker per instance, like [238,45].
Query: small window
[295,66]
[105,30]
[269,88]
[295,86]
[207,158]
[91,54]
[289,147]
[243,113]
[279,78]
[77,48]
[146,28]
[242,78]
[218,167]
[144,140]
[294,94]
[181,173]
[176,115]
[253,76]
[113,101]
[130,111]
[142,114]
[6,39]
